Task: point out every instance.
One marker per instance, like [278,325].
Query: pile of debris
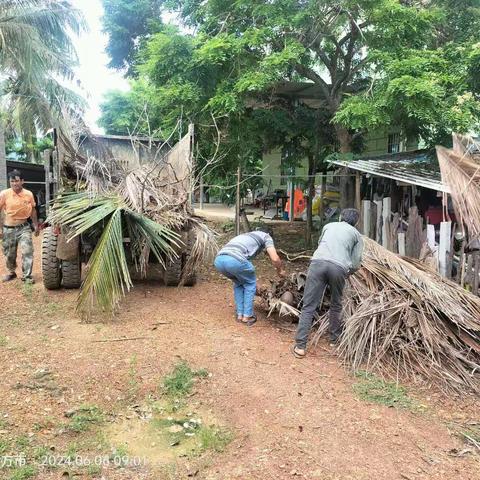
[145,206]
[401,318]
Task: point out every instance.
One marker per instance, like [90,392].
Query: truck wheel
[71,273]
[191,279]
[173,272]
[51,274]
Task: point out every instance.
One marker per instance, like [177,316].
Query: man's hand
[282,273]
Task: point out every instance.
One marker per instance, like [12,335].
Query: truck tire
[190,280]
[173,272]
[71,273]
[51,273]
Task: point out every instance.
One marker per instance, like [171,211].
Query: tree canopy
[375,63]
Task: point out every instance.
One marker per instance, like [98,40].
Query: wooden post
[431,237]
[378,236]
[386,212]
[291,213]
[366,212]
[476,273]
[358,199]
[401,244]
[237,205]
[444,247]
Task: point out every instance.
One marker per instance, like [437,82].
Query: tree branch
[316,78]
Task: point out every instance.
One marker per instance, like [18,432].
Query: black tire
[51,273]
[190,280]
[173,272]
[71,273]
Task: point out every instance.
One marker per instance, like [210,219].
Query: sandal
[252,321]
[296,352]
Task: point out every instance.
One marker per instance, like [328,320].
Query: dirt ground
[286,418]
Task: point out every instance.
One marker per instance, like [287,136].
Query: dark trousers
[320,274]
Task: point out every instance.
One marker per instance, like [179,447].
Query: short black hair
[350,215]
[14,174]
[265,229]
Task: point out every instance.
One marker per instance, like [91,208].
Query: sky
[96,78]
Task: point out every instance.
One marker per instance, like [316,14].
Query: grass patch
[4,446]
[23,473]
[180,382]
[94,470]
[84,418]
[375,390]
[214,438]
[470,434]
[3,341]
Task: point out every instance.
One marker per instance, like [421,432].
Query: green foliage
[375,390]
[36,57]
[128,24]
[180,382]
[214,438]
[82,420]
[23,473]
[108,277]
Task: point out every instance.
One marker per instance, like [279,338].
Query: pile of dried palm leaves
[400,318]
[460,169]
[147,202]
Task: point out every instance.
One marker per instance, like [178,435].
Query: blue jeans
[244,282]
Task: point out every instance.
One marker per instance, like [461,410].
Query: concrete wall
[376,143]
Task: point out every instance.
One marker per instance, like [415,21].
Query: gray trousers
[320,274]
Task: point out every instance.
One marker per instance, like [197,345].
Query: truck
[62,260]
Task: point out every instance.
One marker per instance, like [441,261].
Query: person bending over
[234,261]
[339,254]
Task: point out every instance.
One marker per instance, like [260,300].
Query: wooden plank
[378,228]
[401,244]
[394,226]
[431,237]
[444,246]
[476,273]
[386,212]
[415,236]
[366,212]
[358,199]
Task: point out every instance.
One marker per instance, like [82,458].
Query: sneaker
[28,280]
[9,277]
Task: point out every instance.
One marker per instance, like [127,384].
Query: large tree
[242,49]
[36,57]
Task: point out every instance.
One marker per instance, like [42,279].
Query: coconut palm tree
[37,56]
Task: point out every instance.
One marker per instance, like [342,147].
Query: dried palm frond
[148,201]
[406,320]
[108,276]
[461,172]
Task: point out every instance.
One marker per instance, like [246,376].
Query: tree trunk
[347,184]
[3,159]
[312,168]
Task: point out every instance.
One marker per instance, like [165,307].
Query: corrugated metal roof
[415,168]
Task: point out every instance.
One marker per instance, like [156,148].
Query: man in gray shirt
[233,261]
[338,255]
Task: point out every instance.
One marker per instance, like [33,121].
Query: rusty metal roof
[414,168]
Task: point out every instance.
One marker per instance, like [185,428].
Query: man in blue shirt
[338,255]
[233,261]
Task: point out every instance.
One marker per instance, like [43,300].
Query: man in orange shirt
[18,206]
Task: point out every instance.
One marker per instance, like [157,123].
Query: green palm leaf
[108,277]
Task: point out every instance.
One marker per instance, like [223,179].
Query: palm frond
[403,319]
[107,277]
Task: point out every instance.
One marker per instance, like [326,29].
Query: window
[394,143]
